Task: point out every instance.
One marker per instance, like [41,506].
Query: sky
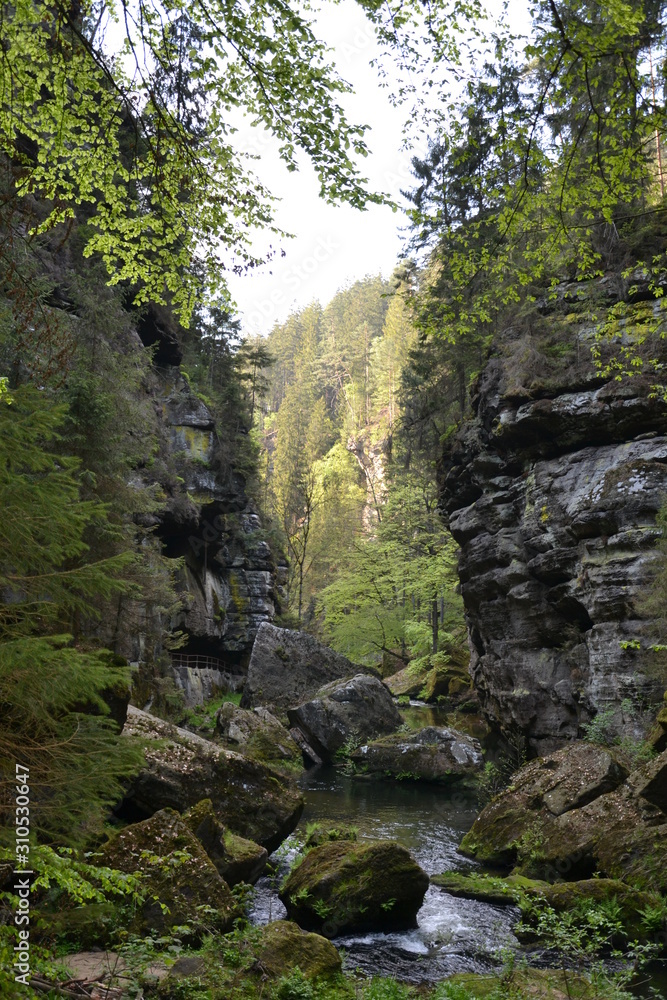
[331,245]
[334,245]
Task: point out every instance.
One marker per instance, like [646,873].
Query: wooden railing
[193,660]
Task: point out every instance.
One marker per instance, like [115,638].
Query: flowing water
[453,935]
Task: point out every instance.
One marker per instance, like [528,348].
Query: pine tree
[55,695]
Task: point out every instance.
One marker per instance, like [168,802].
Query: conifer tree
[55,694]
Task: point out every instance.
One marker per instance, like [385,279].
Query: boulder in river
[287,667]
[257,734]
[236,859]
[248,798]
[360,708]
[343,886]
[431,754]
[574,813]
[178,874]
[283,946]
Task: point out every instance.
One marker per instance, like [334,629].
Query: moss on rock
[236,859]
[249,798]
[183,886]
[283,946]
[342,886]
[508,891]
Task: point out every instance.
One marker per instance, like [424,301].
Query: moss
[284,946]
[627,901]
[547,984]
[183,885]
[490,888]
[368,886]
[319,833]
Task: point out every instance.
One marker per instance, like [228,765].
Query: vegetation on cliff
[123,202]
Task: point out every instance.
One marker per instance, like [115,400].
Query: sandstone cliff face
[229,582]
[553,501]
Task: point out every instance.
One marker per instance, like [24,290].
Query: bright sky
[333,246]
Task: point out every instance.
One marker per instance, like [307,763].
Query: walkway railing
[194,661]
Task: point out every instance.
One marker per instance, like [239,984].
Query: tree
[400,584]
[557,176]
[54,693]
[140,140]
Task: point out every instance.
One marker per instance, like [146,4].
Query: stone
[283,947]
[228,583]
[433,678]
[650,782]
[360,708]
[432,754]
[553,501]
[178,875]
[288,667]
[408,682]
[257,734]
[599,823]
[545,788]
[508,891]
[236,859]
[342,886]
[658,736]
[322,833]
[248,798]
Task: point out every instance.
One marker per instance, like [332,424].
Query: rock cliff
[228,583]
[552,492]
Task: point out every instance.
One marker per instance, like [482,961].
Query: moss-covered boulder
[284,946]
[408,682]
[434,754]
[650,782]
[627,905]
[572,814]
[508,891]
[444,675]
[342,886]
[658,736]
[536,984]
[542,792]
[182,884]
[249,798]
[258,734]
[322,833]
[236,859]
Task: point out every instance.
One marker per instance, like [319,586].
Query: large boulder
[236,859]
[249,798]
[283,947]
[287,668]
[342,886]
[360,709]
[572,814]
[180,878]
[257,734]
[431,754]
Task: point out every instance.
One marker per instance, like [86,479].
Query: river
[453,935]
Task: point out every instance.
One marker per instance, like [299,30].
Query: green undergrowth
[202,717]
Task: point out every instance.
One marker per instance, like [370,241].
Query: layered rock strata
[553,501]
